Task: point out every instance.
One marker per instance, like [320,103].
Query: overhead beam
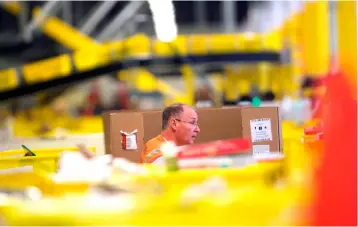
[49,8]
[139,62]
[67,12]
[12,7]
[131,27]
[117,23]
[55,28]
[229,16]
[24,16]
[200,13]
[93,20]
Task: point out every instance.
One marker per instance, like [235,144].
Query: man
[179,126]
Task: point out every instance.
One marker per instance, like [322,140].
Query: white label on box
[261,130]
[258,150]
[129,140]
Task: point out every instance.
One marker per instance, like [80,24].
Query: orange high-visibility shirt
[151,150]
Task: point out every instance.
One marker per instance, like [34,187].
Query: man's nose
[197,129]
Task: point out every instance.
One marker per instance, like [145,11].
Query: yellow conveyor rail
[140,45]
[61,65]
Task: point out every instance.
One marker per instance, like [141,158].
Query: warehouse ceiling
[14,50]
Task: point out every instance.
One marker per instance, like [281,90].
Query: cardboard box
[263,126]
[214,123]
[259,124]
[148,124]
[219,123]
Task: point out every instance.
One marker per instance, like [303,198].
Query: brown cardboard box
[233,122]
[214,123]
[262,126]
[219,123]
[148,124]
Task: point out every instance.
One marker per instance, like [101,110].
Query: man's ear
[173,123]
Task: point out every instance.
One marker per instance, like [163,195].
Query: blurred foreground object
[85,151]
[336,202]
[6,128]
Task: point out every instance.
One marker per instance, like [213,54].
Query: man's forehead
[189,112]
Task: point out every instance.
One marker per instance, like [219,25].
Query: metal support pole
[277,14]
[132,27]
[229,16]
[48,9]
[200,13]
[333,30]
[24,16]
[67,12]
[117,23]
[93,20]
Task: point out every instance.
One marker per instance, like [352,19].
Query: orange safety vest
[151,150]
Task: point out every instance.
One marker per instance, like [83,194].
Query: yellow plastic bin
[43,181]
[239,206]
[314,145]
[47,163]
[46,159]
[257,174]
[16,153]
[22,180]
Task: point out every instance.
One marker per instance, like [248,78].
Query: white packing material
[73,166]
[122,165]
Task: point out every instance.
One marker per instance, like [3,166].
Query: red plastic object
[216,148]
[336,189]
[313,130]
[123,96]
[92,100]
[320,136]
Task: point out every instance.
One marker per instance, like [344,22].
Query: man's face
[186,126]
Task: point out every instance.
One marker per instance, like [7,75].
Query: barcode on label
[128,141]
[260,149]
[262,119]
[261,130]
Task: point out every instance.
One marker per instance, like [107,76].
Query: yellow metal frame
[75,40]
[39,152]
[347,40]
[46,159]
[48,163]
[316,54]
[89,55]
[8,79]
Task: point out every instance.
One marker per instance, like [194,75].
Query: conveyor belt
[75,77]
